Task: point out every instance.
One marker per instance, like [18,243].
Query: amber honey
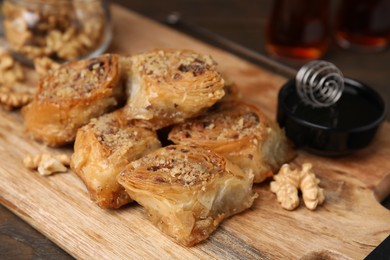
[298,29]
[363,25]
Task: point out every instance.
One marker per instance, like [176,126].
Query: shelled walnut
[47,164]
[15,96]
[312,194]
[44,64]
[62,30]
[287,182]
[11,71]
[13,92]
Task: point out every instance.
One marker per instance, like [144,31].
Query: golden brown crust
[70,96]
[102,149]
[168,86]
[188,191]
[240,132]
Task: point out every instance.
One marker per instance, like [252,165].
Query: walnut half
[11,71]
[13,93]
[47,164]
[312,194]
[287,182]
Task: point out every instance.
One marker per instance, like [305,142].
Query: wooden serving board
[350,224]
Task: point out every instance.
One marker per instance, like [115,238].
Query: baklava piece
[68,97]
[240,132]
[168,86]
[102,149]
[187,191]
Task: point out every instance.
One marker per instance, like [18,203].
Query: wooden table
[19,240]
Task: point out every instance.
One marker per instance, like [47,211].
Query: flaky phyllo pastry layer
[102,149]
[167,86]
[68,97]
[187,190]
[240,132]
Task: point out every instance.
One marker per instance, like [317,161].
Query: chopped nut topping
[114,133]
[76,81]
[173,165]
[224,123]
[158,65]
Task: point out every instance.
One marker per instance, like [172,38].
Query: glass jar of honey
[298,29]
[62,30]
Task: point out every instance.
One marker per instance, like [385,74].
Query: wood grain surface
[350,224]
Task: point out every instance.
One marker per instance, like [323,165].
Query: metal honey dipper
[327,114]
[319,83]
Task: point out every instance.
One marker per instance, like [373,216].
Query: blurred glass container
[363,25]
[62,30]
[298,29]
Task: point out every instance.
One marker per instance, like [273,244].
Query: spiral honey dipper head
[319,83]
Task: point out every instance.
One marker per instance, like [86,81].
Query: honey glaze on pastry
[168,86]
[187,191]
[240,132]
[70,96]
[102,149]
